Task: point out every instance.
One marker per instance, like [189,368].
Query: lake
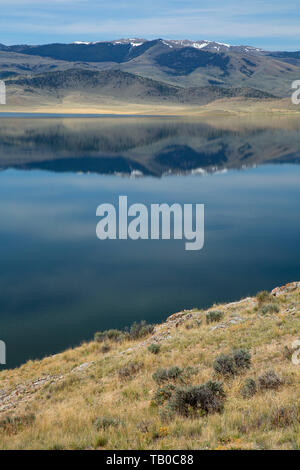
[59,284]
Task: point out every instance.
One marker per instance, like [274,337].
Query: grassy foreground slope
[165,389]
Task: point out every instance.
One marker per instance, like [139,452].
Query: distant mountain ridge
[118,49]
[184,64]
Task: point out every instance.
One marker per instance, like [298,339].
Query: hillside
[78,91]
[176,62]
[125,87]
[217,379]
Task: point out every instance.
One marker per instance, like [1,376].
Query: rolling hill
[127,86]
[141,71]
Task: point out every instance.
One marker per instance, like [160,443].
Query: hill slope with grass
[222,378]
[178,62]
[88,88]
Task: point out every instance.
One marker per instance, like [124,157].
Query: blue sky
[267,24]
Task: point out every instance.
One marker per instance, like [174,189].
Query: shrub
[106,422]
[160,376]
[269,308]
[225,365]
[154,348]
[249,389]
[284,416]
[164,375]
[113,335]
[131,369]
[263,297]
[214,316]
[232,364]
[136,331]
[242,358]
[139,330]
[100,337]
[206,398]
[269,381]
[163,394]
[14,424]
[174,373]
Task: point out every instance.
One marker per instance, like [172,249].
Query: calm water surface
[59,283]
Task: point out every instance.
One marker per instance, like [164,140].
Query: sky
[272,25]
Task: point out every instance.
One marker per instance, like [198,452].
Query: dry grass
[96,407]
[22,101]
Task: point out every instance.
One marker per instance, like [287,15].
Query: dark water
[59,283]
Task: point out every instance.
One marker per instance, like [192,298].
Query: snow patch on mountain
[82,43]
[180,43]
[134,42]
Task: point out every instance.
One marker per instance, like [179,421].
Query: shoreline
[114,108]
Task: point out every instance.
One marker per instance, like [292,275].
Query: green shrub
[242,358]
[214,316]
[113,335]
[106,422]
[163,394]
[164,375]
[263,297]
[136,331]
[154,348]
[225,365]
[269,381]
[139,330]
[174,373]
[206,398]
[232,364]
[249,389]
[160,376]
[269,308]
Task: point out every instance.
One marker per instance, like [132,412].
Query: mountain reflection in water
[146,146]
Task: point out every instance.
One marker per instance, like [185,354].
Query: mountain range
[138,70]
